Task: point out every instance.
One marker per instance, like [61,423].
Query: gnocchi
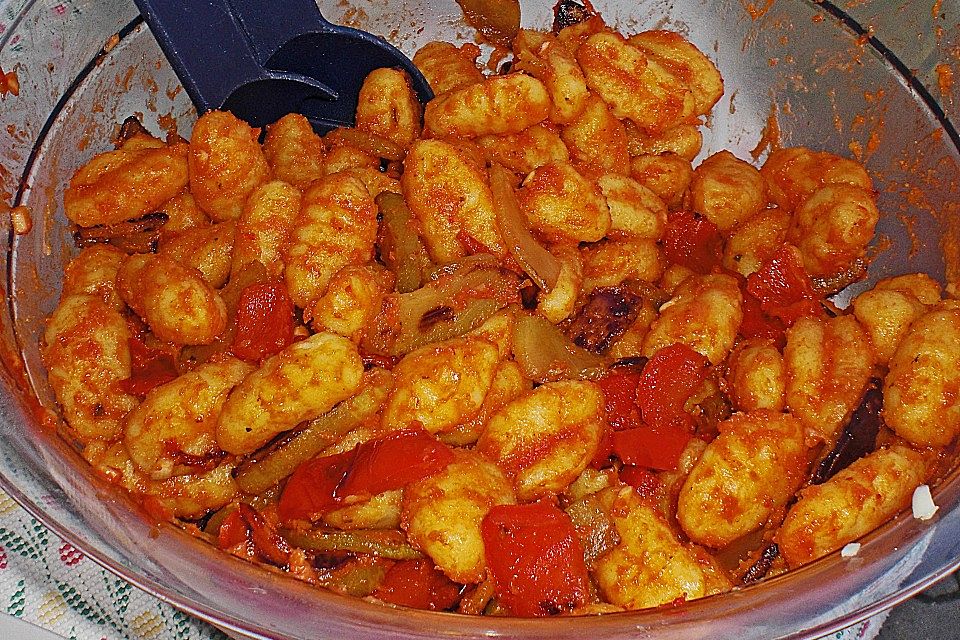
[518,326]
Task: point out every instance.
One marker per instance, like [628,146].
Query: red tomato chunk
[644,481]
[264,321]
[536,559]
[149,368]
[658,448]
[620,398]
[692,241]
[309,493]
[392,461]
[783,287]
[759,324]
[667,382]
[418,584]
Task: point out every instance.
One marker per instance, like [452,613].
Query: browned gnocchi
[173,299]
[293,151]
[336,226]
[226,164]
[565,206]
[124,184]
[850,504]
[749,471]
[496,105]
[540,306]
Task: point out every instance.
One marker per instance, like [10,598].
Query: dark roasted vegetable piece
[131,127]
[497,20]
[605,317]
[858,438]
[633,363]
[567,13]
[141,235]
[760,568]
[594,525]
[710,412]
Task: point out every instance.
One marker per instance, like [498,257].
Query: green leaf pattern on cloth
[48,582]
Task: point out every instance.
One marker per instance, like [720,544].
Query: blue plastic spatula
[263,59]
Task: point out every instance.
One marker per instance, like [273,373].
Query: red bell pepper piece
[269,545]
[418,584]
[536,559]
[246,526]
[233,531]
[668,380]
[149,368]
[692,241]
[389,462]
[759,324]
[656,448]
[783,287]
[601,459]
[619,388]
[393,461]
[264,321]
[643,480]
[309,493]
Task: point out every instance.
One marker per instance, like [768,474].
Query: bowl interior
[796,74]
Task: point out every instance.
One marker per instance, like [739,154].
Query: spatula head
[340,59]
[263,59]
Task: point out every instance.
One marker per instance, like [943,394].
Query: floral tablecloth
[46,581]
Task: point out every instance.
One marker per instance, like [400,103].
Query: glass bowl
[875,83]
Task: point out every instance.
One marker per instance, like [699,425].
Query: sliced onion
[458,299]
[546,355]
[369,143]
[923,505]
[497,20]
[541,265]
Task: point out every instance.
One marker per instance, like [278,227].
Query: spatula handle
[269,24]
[212,55]
[205,46]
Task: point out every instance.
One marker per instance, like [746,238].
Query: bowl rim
[238,625]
